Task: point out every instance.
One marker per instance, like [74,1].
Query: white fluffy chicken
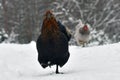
[82,34]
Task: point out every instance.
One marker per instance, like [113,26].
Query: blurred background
[21,20]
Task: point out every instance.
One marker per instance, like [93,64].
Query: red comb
[85,27]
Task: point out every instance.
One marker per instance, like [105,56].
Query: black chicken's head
[48,14]
[50,25]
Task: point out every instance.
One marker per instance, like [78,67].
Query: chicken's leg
[57,71]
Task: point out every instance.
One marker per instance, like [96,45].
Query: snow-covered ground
[19,62]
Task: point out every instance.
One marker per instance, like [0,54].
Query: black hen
[52,44]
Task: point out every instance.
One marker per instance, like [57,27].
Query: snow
[19,62]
